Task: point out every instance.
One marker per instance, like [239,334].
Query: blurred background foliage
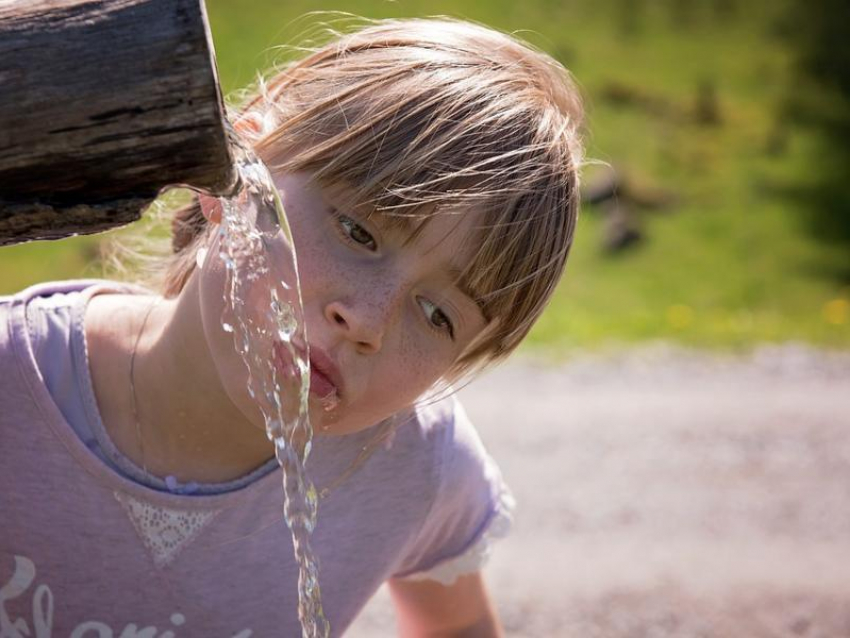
[721,127]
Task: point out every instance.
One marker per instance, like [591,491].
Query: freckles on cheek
[315,269]
[320,265]
[420,362]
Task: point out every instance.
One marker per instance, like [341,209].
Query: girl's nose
[359,323]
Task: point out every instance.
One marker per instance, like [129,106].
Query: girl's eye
[356,233]
[438,319]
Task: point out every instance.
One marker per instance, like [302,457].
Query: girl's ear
[249,124]
[210,208]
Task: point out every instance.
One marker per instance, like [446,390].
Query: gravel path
[669,493]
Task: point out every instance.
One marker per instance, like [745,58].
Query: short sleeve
[472,508]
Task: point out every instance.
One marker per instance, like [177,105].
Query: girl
[429,173]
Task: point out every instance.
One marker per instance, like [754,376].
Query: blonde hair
[427,116]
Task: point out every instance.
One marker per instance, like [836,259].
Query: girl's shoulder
[50,288]
[470,505]
[13,307]
[58,292]
[447,443]
[51,297]
[423,450]
[447,430]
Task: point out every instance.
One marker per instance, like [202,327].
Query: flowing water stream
[263,311]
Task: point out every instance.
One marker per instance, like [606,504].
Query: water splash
[263,312]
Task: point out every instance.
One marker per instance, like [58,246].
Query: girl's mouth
[325,383]
[323,388]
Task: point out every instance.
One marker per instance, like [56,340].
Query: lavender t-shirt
[89,550]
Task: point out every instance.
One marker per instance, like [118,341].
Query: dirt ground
[667,493]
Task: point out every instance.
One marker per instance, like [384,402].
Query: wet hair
[423,117]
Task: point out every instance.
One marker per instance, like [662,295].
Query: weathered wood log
[102,104]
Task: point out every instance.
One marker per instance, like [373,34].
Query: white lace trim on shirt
[476,556]
[164,531]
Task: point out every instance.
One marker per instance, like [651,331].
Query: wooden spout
[102,104]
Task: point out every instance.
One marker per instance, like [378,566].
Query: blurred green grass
[729,264]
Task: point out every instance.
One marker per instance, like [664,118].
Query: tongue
[323,388]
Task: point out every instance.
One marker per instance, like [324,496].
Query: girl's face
[385,318]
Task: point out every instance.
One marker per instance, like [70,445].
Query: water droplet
[201,257]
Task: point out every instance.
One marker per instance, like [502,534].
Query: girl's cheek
[423,360]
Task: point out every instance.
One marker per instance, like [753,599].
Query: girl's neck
[184,423]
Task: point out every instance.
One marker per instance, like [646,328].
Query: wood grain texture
[103,103]
[22,222]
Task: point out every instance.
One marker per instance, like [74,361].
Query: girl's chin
[324,421]
[335,422]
